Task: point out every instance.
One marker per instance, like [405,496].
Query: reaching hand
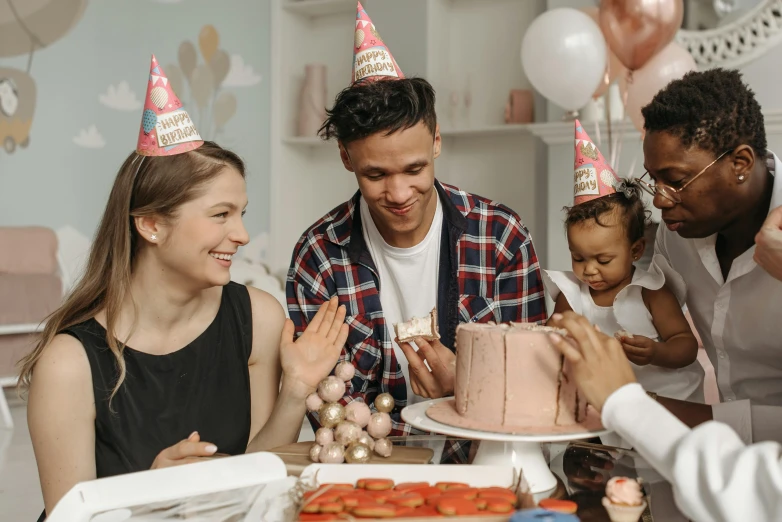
[310,358]
[600,366]
[185,452]
[640,350]
[768,244]
[430,384]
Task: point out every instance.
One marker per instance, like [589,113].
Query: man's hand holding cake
[432,366]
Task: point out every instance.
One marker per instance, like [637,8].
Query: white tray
[249,485]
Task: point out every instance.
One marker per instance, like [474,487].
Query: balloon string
[620,139]
[609,124]
[607,101]
[597,132]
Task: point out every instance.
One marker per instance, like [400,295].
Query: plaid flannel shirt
[488,272]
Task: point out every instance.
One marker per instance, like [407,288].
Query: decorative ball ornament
[331,414]
[331,389]
[379,425]
[383,447]
[314,402]
[332,453]
[358,412]
[324,436]
[347,432]
[344,371]
[315,450]
[366,440]
[384,403]
[358,454]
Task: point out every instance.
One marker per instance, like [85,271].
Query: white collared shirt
[739,320]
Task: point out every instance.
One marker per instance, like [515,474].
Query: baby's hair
[636,216]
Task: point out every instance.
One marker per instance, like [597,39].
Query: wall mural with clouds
[73,75]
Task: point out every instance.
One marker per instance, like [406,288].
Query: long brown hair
[145,186]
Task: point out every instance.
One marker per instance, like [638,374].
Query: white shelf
[479,132]
[315,8]
[305,141]
[493,130]
[561,132]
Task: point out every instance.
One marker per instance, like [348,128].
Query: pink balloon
[670,64]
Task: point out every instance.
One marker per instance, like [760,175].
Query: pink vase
[520,107]
[312,101]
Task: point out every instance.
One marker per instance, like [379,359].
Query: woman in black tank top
[156,358]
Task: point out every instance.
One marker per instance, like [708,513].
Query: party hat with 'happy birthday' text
[166,128]
[371,58]
[593,176]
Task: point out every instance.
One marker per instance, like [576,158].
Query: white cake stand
[521,451]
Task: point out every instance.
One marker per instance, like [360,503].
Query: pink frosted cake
[510,378]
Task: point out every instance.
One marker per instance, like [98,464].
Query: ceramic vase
[312,101]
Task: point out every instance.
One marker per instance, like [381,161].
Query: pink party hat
[593,176]
[166,128]
[371,58]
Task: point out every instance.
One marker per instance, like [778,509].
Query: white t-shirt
[408,278]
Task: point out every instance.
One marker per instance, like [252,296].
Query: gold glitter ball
[358,454]
[383,447]
[315,452]
[347,432]
[384,403]
[331,414]
[332,453]
[366,439]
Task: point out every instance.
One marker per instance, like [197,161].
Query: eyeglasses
[670,193]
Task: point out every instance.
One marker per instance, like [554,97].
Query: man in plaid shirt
[404,244]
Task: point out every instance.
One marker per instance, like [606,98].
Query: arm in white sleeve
[715,477]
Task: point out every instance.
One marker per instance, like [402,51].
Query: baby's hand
[640,350]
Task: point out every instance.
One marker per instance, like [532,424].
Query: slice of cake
[421,327]
[511,375]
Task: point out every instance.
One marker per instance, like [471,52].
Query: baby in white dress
[605,232]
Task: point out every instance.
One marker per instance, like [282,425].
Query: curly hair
[636,216]
[369,107]
[713,109]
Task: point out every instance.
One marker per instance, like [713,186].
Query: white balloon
[563,54]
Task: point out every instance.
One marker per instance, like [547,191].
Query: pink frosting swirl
[623,490]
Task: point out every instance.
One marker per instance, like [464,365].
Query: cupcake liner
[620,513]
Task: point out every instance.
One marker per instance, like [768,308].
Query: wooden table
[297,456]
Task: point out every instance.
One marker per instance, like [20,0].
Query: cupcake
[624,500]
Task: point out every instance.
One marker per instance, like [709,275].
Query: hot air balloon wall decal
[28,27]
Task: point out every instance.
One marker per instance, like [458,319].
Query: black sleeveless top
[202,387]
